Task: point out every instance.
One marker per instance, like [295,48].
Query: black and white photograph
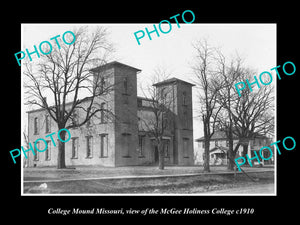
[119,111]
[138,116]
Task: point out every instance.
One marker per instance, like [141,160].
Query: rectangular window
[35,126]
[48,151]
[185,120]
[165,121]
[89,146]
[141,145]
[103,145]
[167,148]
[185,147]
[48,124]
[36,155]
[126,140]
[74,148]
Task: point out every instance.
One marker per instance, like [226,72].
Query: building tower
[179,92]
[122,103]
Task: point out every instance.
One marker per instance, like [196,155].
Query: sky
[255,43]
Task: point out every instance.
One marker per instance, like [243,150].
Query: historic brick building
[123,140]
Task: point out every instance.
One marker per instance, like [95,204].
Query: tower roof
[172,80]
[112,64]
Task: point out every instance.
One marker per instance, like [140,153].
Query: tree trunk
[207,135]
[230,165]
[244,152]
[206,156]
[231,156]
[61,164]
[161,157]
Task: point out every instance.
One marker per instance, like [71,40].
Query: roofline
[234,138]
[67,103]
[213,139]
[172,80]
[113,63]
[35,110]
[219,148]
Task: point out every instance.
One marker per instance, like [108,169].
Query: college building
[123,140]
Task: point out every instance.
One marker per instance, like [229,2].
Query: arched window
[184,98]
[125,84]
[163,94]
[102,84]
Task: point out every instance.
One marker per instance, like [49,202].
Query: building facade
[219,146]
[121,140]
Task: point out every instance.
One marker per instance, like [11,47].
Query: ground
[148,180]
[252,189]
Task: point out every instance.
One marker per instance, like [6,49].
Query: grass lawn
[51,173]
[163,185]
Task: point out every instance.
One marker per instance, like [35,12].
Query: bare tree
[209,86]
[226,97]
[66,73]
[252,114]
[221,107]
[159,123]
[246,116]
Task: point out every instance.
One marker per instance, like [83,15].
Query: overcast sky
[256,43]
